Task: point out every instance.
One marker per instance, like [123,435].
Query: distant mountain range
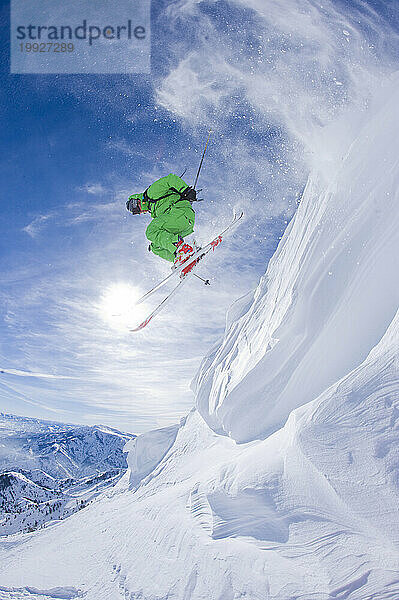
[49,470]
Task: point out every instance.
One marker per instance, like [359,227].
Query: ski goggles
[134,202]
[134,205]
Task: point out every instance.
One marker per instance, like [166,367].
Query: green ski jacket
[171,217]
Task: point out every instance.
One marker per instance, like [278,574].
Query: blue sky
[265,78]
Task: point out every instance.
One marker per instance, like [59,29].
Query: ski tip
[142,325]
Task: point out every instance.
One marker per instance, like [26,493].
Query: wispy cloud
[19,373]
[95,188]
[123,146]
[76,213]
[36,226]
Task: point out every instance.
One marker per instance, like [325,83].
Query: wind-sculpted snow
[329,293]
[147,451]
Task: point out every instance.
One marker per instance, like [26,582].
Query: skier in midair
[169,201]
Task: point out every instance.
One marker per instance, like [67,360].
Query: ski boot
[183,252]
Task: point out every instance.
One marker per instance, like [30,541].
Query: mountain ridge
[48,469]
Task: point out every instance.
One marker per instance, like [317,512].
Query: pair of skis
[183,272]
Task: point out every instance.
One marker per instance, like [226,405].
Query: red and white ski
[184,271]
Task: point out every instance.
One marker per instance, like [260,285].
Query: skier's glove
[190,194]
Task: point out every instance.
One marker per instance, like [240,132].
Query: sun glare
[118,306]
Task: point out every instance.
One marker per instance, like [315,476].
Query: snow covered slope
[287,486]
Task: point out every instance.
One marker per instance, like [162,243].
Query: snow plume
[272,75]
[269,78]
[293,64]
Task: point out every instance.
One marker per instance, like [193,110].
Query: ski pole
[206,281]
[202,159]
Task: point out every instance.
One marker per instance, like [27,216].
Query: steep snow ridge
[329,293]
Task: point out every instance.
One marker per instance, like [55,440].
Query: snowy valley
[50,470]
[283,482]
